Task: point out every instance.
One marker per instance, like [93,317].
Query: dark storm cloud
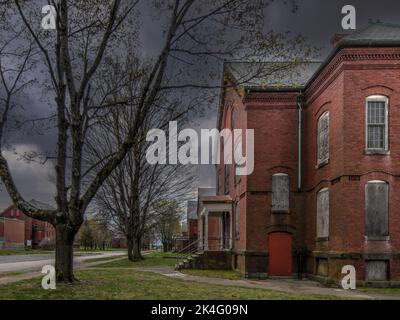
[317,20]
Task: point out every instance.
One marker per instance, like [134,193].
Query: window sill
[280,211]
[322,239]
[383,238]
[322,164]
[377,152]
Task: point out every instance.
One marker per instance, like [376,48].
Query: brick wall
[340,88]
[14,233]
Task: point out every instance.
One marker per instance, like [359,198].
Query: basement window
[323,139]
[323,214]
[377,124]
[376,210]
[280,192]
[376,270]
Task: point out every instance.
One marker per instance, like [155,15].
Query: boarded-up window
[237,220]
[323,213]
[322,267]
[376,209]
[280,192]
[377,116]
[376,270]
[323,139]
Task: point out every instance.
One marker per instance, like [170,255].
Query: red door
[280,254]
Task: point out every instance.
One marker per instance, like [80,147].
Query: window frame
[377,98]
[321,162]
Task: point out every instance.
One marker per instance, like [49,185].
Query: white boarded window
[377,123]
[323,213]
[280,192]
[323,139]
[376,209]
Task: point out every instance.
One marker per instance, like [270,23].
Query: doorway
[280,254]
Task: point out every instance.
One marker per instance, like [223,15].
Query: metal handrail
[187,251]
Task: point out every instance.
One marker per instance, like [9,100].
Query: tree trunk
[64,254]
[137,255]
[130,249]
[165,246]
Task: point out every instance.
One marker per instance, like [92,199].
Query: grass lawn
[8,274]
[224,274]
[386,291]
[150,260]
[133,284]
[9,252]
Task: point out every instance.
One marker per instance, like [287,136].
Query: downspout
[300,254]
[299,136]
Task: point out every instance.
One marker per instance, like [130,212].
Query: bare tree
[90,35]
[168,222]
[128,195]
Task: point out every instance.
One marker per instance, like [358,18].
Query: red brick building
[35,231]
[12,232]
[325,191]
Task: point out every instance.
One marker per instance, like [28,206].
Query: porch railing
[187,251]
[215,243]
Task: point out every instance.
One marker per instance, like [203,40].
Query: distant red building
[35,230]
[119,242]
[11,233]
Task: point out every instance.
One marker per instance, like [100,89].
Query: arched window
[323,139]
[377,124]
[323,213]
[280,192]
[376,210]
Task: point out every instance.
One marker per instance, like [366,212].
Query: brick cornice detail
[269,97]
[332,70]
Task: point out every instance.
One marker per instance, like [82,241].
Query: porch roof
[214,204]
[216,199]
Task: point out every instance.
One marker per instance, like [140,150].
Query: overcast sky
[317,20]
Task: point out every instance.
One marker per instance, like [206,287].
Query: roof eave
[272,89]
[350,44]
